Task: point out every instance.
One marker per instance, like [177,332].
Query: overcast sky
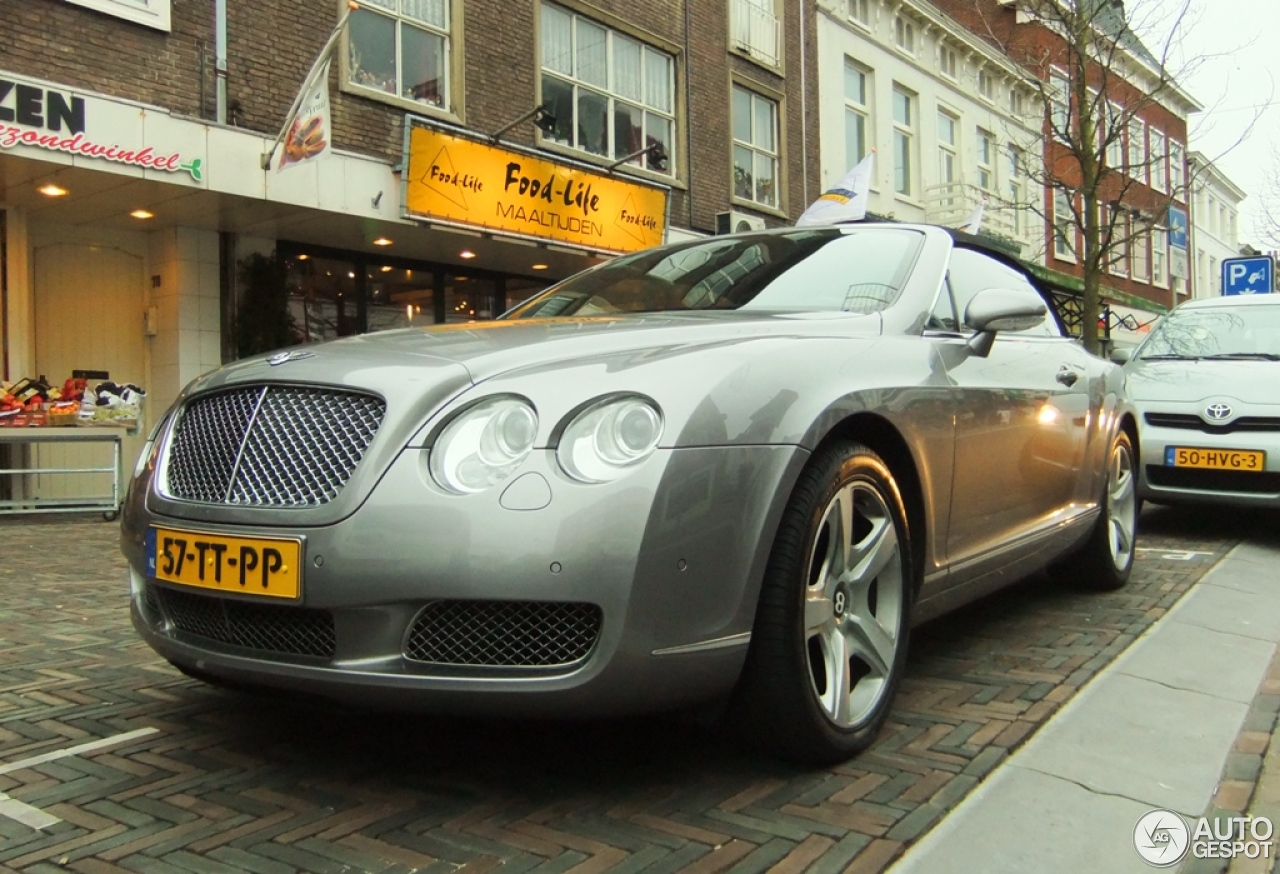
[1231,60]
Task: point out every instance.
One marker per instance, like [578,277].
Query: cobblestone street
[233,783]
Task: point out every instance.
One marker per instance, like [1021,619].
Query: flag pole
[324,55]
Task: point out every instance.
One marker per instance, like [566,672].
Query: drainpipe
[804,110]
[220,58]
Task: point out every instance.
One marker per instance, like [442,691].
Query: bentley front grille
[506,634]
[265,627]
[270,446]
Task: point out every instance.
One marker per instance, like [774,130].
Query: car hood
[476,351]
[1253,382]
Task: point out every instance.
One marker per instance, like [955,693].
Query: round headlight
[484,445]
[609,438]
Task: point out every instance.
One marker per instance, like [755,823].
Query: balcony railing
[951,203]
[755,30]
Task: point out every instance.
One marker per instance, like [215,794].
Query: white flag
[847,202]
[309,135]
[974,221]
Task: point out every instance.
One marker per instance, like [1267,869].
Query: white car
[1206,385]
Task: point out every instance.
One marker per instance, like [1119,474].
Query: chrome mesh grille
[270,446]
[521,634]
[266,627]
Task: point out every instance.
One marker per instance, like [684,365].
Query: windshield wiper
[1170,358]
[1245,356]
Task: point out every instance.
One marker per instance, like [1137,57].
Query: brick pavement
[232,783]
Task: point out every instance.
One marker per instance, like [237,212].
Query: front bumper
[1163,483]
[668,560]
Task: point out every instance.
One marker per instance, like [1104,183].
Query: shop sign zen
[45,118]
[461,181]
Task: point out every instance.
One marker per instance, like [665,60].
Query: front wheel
[831,630]
[1106,558]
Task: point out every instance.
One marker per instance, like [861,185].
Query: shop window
[755,147]
[611,95]
[400,48]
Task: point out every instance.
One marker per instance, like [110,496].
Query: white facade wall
[1215,232]
[923,74]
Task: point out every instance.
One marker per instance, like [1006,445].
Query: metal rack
[109,504]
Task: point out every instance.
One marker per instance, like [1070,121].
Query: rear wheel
[1104,561]
[831,629]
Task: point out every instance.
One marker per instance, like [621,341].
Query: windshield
[1220,332]
[822,269]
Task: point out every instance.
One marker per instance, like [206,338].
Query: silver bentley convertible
[727,473]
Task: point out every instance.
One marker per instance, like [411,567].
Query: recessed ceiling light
[303,257]
[142,214]
[537,266]
[467,254]
[386,268]
[382,241]
[51,190]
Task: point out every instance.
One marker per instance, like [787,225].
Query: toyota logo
[1218,412]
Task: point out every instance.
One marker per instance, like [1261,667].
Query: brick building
[132,138]
[1147,156]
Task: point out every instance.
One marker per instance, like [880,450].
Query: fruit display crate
[106,502]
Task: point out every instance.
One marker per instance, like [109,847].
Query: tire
[832,624]
[1104,561]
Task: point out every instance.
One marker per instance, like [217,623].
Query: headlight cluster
[608,438]
[484,445]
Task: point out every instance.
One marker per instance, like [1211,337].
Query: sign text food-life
[471,183]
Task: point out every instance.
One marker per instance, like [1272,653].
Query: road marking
[36,818]
[1174,554]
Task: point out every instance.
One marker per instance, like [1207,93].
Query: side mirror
[1121,354]
[1001,309]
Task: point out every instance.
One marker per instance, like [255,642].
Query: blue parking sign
[1178,224]
[1247,275]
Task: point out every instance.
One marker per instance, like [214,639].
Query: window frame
[986,84]
[613,98]
[904,132]
[1059,89]
[986,142]
[1136,149]
[775,104]
[948,150]
[1177,167]
[155,14]
[1015,187]
[1160,258]
[863,109]
[859,11]
[904,35]
[451,101]
[1158,176]
[1063,215]
[948,61]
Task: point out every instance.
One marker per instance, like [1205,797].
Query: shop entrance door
[89,302]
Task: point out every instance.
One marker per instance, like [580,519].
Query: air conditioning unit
[734,222]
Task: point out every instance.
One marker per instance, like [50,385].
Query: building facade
[480,150]
[1141,114]
[945,112]
[1215,231]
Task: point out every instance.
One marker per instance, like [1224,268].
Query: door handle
[1068,376]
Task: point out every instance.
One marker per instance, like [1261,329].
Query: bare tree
[1095,83]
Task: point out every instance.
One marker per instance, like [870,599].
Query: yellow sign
[458,180]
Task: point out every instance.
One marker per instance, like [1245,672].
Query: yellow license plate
[1215,459]
[271,567]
